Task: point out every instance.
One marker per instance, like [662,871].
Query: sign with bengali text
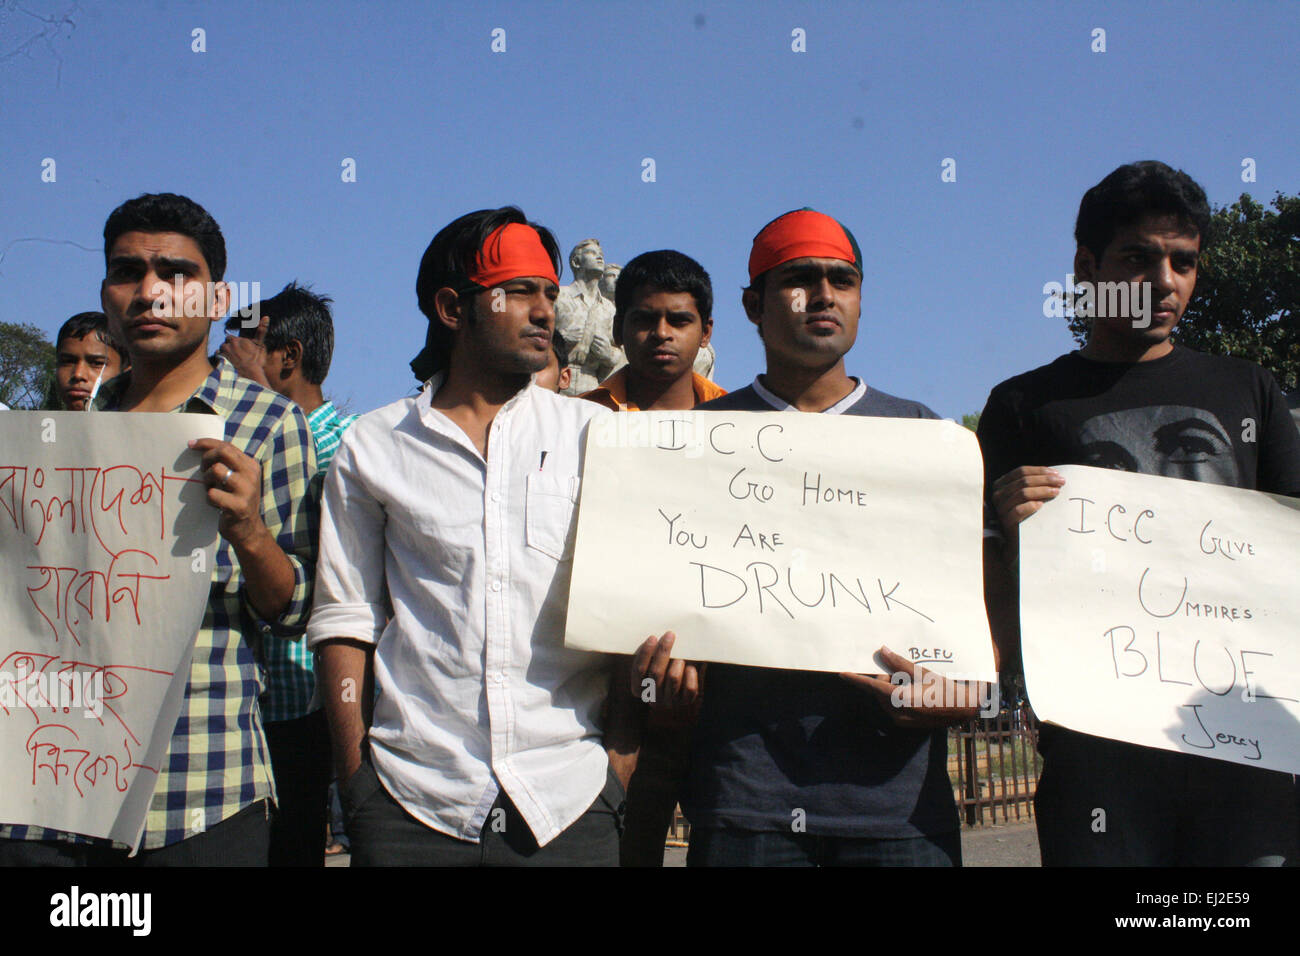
[108,544]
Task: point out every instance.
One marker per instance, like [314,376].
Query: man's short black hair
[446,264]
[664,270]
[168,212]
[84,323]
[561,349]
[1131,193]
[297,313]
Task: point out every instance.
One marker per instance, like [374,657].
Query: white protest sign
[108,544]
[782,539]
[1163,612]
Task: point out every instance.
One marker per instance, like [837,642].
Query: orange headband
[799,234]
[511,252]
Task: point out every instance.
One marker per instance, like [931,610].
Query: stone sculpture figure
[584,317]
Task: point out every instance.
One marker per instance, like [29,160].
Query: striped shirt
[217,762]
[327,428]
[290,666]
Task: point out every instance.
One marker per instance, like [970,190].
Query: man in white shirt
[446,551]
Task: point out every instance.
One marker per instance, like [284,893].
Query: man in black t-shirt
[1132,399]
[800,768]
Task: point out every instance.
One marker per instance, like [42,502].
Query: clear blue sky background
[740,128]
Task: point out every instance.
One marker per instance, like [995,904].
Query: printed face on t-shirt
[1175,441]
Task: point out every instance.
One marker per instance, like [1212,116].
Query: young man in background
[663,316]
[290,351]
[85,357]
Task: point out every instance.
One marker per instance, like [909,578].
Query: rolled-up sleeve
[291,512]
[350,586]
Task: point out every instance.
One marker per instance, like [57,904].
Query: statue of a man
[609,280]
[585,320]
[705,359]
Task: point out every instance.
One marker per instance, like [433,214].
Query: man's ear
[617,331]
[220,303]
[292,356]
[708,332]
[753,305]
[450,307]
[565,378]
[114,325]
[1085,266]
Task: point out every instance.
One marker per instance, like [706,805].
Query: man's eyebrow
[163,264]
[802,273]
[531,285]
[1137,246]
[175,264]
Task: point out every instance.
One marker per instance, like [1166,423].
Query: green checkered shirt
[290,670]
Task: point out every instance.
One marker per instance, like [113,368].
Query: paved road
[1015,844]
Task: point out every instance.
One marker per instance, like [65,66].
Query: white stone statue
[705,359]
[585,320]
[609,279]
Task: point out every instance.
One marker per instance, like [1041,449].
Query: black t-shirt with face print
[1186,415]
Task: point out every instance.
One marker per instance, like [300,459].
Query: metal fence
[994,764]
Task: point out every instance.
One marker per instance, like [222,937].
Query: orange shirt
[612,393]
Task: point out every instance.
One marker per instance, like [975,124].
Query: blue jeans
[719,846]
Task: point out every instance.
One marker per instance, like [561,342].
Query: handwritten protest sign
[1163,612]
[782,540]
[108,544]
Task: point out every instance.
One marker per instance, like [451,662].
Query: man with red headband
[800,768]
[446,549]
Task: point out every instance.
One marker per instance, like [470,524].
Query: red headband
[512,252]
[796,235]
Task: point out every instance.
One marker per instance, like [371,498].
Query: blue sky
[740,128]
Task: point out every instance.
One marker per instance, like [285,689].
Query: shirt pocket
[550,514]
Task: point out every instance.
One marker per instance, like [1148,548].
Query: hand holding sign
[234,483]
[674,684]
[919,699]
[1020,493]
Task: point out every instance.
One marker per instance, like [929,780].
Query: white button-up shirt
[475,690]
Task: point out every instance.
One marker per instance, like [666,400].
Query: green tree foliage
[26,365]
[971,421]
[1247,288]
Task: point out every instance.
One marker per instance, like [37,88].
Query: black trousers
[384,834]
[300,759]
[240,840]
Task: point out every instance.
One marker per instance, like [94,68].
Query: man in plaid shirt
[212,801]
[289,350]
